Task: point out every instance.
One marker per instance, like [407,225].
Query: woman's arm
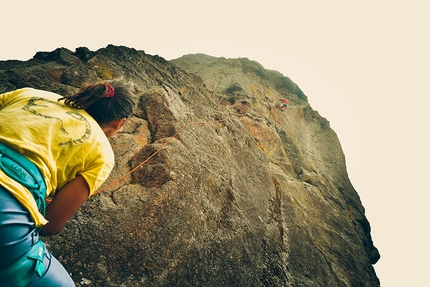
[65,203]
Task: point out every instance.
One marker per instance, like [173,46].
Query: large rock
[213,185]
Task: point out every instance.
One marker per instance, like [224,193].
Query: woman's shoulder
[28,93]
[40,93]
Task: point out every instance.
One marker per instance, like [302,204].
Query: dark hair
[96,101]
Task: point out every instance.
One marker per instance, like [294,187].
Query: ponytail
[104,101]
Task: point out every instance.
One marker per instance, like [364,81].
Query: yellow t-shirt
[61,141]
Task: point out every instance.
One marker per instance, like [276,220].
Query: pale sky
[363,65]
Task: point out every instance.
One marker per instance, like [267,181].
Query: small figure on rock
[283,105]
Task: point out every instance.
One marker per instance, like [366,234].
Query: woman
[51,146]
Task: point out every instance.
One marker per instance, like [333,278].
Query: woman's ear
[118,123]
[113,127]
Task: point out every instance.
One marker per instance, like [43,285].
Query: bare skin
[71,197]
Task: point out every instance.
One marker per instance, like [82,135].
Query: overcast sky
[362,64]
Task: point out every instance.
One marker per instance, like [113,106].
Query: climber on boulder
[283,105]
[58,148]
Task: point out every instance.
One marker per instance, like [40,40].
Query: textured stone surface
[243,195]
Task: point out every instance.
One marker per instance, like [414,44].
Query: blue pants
[17,235]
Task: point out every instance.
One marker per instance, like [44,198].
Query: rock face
[225,189]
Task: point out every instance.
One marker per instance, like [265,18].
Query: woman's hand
[65,203]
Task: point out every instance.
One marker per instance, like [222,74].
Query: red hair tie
[110,91]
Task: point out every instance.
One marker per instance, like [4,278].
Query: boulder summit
[213,184]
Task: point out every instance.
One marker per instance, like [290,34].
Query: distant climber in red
[283,105]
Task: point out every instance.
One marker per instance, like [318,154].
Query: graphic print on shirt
[41,107]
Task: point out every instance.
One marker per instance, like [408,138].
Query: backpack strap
[26,173]
[21,272]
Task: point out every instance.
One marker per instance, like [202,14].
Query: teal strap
[37,254]
[21,272]
[25,172]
